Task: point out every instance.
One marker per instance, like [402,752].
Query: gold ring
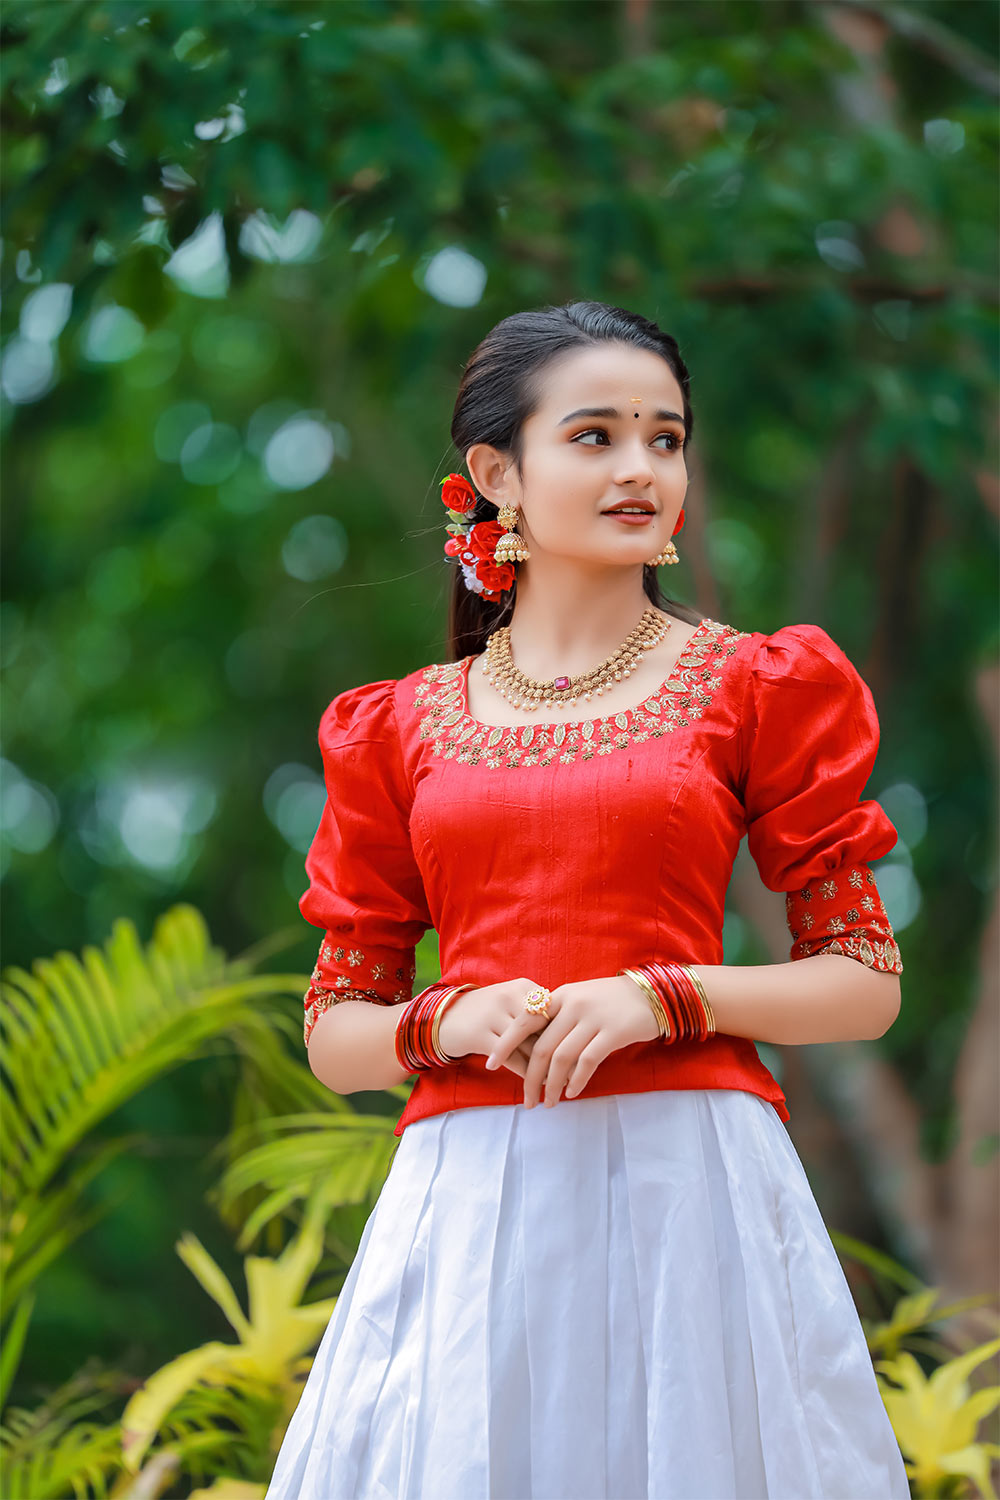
[536,1002]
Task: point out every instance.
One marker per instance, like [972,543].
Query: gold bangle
[656,1004]
[696,981]
[436,1023]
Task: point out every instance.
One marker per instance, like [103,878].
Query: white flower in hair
[471,580]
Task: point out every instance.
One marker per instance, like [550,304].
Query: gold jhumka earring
[510,548]
[668,555]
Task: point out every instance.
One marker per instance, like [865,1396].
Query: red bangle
[413,1042]
[683,999]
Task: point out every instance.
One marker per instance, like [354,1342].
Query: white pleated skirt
[631,1297]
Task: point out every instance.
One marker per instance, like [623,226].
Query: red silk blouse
[562,852]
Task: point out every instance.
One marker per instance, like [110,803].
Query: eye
[676,442]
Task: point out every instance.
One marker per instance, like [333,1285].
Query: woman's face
[577,463]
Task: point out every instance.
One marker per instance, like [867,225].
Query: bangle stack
[417,1045]
[678,1001]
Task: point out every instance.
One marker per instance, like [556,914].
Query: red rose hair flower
[457,493]
[473,544]
[483,539]
[495,577]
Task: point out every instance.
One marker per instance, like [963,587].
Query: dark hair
[500,389]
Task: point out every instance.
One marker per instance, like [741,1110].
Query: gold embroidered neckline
[684,695]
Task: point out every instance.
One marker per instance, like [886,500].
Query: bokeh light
[293,797]
[453,277]
[29,811]
[111,334]
[299,453]
[200,264]
[315,547]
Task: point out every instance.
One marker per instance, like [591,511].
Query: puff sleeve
[810,735]
[365,891]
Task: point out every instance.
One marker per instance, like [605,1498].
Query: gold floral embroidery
[869,939]
[684,697]
[318,999]
[875,954]
[328,988]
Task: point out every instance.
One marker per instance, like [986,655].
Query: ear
[493,474]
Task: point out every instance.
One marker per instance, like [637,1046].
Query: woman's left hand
[587,1020]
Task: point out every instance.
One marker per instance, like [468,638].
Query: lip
[627,519]
[648,505]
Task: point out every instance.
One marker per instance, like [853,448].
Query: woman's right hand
[476,1018]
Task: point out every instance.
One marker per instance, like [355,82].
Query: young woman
[627,1293]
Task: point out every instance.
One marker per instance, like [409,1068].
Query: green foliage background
[224,217]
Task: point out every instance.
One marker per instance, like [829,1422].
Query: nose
[634,466]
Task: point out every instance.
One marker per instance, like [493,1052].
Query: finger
[504,1042]
[538,1067]
[512,1035]
[516,1060]
[504,1045]
[583,1069]
[563,1061]
[523,1058]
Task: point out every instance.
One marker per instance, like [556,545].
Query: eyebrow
[613,412]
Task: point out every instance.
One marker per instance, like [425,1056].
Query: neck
[567,619]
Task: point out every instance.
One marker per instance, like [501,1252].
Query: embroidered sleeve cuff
[843,913]
[383,976]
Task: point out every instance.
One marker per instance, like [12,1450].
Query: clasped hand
[588,1020]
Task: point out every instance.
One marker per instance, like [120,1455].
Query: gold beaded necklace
[528,693]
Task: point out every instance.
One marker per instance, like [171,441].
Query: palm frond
[45,1224]
[342,1155]
[81,1036]
[58,1450]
